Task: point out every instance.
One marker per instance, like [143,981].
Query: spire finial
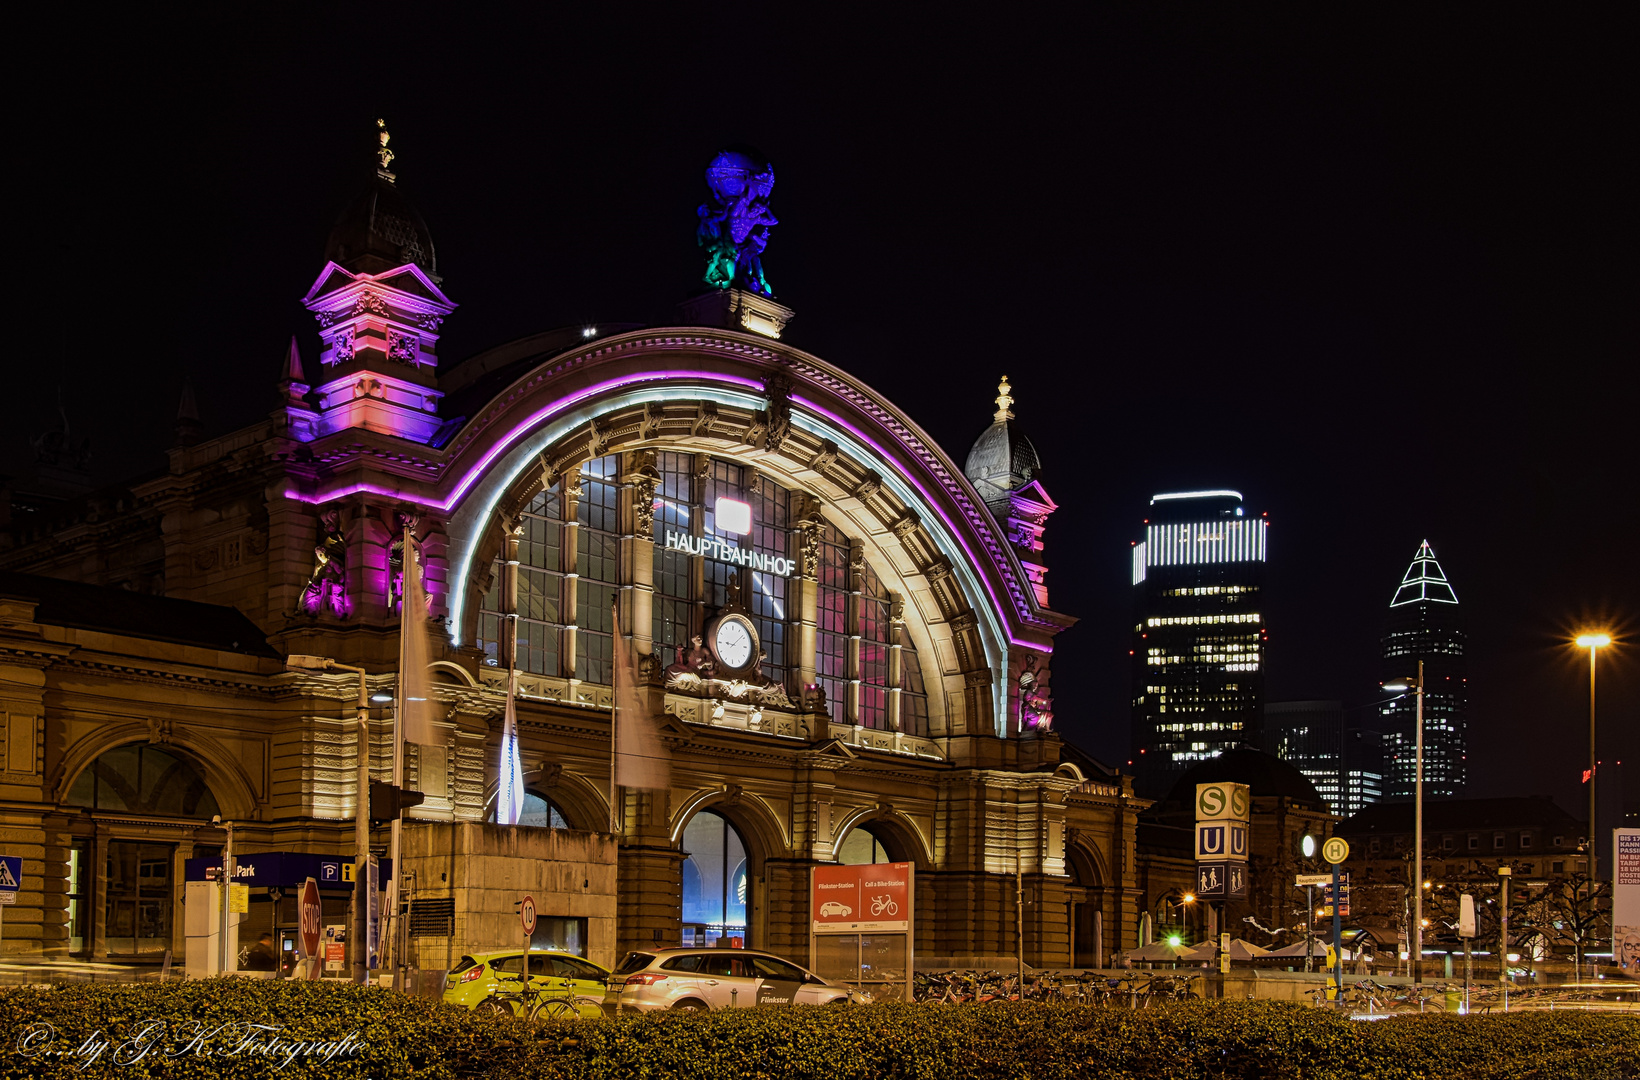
[1005,401]
[384,155]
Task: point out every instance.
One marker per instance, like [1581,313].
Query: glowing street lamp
[1594,643]
[1403,685]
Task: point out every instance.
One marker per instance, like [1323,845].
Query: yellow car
[490,982]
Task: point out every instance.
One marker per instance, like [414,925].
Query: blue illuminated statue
[734,226]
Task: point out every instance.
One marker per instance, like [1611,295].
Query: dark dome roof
[1002,460]
[1264,773]
[379,230]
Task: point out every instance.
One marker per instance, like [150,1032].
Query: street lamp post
[1417,827]
[361,826]
[1592,642]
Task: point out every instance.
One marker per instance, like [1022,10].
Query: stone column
[637,528]
[802,597]
[896,638]
[569,550]
[856,594]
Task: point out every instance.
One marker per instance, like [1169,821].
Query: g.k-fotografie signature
[156,1040]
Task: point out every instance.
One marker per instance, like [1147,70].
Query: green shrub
[383,1035]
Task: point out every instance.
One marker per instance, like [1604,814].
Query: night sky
[1376,273]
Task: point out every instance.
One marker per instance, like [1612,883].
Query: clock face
[733,644]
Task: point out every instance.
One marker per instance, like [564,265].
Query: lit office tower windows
[1198,633]
[1424,624]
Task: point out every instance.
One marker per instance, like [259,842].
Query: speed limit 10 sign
[526,914]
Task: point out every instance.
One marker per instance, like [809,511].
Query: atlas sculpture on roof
[734,226]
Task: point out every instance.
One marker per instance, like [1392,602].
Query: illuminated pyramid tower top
[1424,581]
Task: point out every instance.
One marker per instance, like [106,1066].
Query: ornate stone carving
[205,558]
[342,346]
[650,426]
[693,667]
[706,414]
[778,418]
[868,486]
[551,773]
[402,519]
[906,524]
[1035,703]
[732,794]
[643,505]
[327,585]
[597,438]
[368,301]
[734,226]
[827,455]
[896,608]
[808,549]
[403,348]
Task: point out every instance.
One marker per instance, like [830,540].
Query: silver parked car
[711,979]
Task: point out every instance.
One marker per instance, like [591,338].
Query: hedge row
[197,1029]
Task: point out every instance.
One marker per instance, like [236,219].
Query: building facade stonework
[903,691]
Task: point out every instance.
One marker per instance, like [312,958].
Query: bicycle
[531,1002]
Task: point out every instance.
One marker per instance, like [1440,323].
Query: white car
[834,908]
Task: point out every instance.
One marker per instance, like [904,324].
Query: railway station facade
[889,697]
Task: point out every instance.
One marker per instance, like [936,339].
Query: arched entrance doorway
[140,900]
[716,881]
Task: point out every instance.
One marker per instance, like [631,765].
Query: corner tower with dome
[893,700]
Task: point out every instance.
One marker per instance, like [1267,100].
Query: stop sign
[311,911]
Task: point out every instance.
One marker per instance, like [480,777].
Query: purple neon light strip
[928,500]
[523,427]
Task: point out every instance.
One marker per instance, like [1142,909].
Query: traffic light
[388,802]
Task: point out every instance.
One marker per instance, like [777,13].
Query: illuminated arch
[222,772]
[750,814]
[907,840]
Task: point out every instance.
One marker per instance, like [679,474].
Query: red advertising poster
[870,898]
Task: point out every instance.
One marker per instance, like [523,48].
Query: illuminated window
[831,615]
[874,642]
[673,602]
[540,591]
[597,561]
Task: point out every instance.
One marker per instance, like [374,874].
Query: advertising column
[862,926]
[1626,901]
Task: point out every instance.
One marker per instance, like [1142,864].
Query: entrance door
[140,898]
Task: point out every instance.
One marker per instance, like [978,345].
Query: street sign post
[310,913]
[526,918]
[1335,851]
[11,879]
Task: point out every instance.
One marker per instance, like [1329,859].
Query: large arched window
[540,590]
[861,845]
[539,812]
[143,779]
[715,881]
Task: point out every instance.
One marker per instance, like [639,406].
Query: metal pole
[1594,846]
[1503,937]
[614,726]
[225,894]
[1466,976]
[1309,927]
[1417,845]
[1338,937]
[361,839]
[395,836]
[1019,913]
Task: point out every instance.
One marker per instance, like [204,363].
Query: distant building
[1345,762]
[1198,634]
[1424,624]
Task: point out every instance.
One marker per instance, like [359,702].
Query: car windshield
[635,961]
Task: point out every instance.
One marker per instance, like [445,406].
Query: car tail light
[646,978]
[472,973]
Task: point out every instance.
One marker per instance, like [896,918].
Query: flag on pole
[509,798]
[640,758]
[416,704]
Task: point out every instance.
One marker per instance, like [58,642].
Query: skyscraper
[1424,624]
[1198,634]
[1344,761]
